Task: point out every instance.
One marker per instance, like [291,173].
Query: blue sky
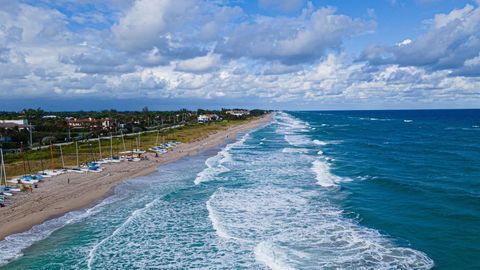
[279,54]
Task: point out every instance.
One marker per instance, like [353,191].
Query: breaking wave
[215,164]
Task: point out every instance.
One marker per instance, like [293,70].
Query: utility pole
[76,150]
[30,127]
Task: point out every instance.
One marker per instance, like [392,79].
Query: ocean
[311,190]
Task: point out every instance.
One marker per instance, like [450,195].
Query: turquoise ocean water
[311,190]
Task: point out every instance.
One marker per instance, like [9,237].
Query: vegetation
[54,125]
[89,148]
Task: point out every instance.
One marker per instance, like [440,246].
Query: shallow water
[312,190]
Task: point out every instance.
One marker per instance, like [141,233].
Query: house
[104,123]
[11,124]
[49,116]
[202,118]
[238,112]
[17,122]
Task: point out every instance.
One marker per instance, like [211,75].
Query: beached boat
[51,173]
[76,170]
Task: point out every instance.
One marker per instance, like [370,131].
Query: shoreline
[56,196]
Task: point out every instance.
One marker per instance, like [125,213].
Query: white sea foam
[217,226]
[287,230]
[287,226]
[318,142]
[374,119]
[298,140]
[11,248]
[323,175]
[294,150]
[407,121]
[266,253]
[135,214]
[290,121]
[215,164]
[287,124]
[216,223]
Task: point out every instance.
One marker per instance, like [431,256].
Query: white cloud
[451,39]
[292,40]
[208,50]
[199,64]
[144,23]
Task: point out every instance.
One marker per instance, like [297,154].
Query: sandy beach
[56,196]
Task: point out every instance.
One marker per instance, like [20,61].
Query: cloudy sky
[291,54]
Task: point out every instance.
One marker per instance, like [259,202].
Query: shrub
[48,139]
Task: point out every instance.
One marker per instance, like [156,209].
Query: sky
[272,54]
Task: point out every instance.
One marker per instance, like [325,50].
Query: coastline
[57,197]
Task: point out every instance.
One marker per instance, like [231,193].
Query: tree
[48,139]
[136,129]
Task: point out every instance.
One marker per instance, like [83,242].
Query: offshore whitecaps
[285,225]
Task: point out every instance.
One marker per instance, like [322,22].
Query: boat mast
[100,146]
[61,154]
[1,168]
[123,142]
[4,171]
[111,146]
[76,150]
[41,164]
[3,174]
[51,153]
[23,159]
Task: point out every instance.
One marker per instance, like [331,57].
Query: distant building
[18,122]
[202,118]
[11,124]
[238,112]
[49,116]
[104,123]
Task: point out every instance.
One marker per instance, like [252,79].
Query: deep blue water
[312,190]
[417,181]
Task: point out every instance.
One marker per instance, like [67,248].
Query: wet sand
[56,196]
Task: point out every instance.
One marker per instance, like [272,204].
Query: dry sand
[56,196]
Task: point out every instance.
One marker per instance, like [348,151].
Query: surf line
[92,253]
[216,223]
[215,164]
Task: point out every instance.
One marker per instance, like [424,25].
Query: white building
[202,118]
[238,112]
[16,122]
